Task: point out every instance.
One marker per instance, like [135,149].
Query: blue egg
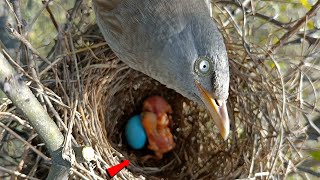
[134,132]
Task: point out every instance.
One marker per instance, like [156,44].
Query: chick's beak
[217,109]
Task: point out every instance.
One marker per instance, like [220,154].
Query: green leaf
[315,155]
[306,4]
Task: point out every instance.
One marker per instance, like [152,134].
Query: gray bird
[175,42]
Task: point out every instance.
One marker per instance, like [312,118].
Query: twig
[67,146]
[308,170]
[253,156]
[16,64]
[87,171]
[281,133]
[26,43]
[24,141]
[17,11]
[73,14]
[74,57]
[45,4]
[22,97]
[315,8]
[12,10]
[29,27]
[303,169]
[16,118]
[275,22]
[315,127]
[23,159]
[79,174]
[16,173]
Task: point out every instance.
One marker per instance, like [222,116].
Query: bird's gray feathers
[161,37]
[155,20]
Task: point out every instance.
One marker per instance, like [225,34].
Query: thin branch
[24,141]
[21,96]
[13,32]
[54,22]
[292,31]
[16,173]
[29,27]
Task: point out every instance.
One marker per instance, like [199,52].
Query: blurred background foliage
[41,25]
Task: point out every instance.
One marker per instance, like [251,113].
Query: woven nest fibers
[274,60]
[113,93]
[118,93]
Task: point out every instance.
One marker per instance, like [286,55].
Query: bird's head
[211,79]
[180,47]
[198,60]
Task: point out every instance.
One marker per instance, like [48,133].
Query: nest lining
[113,92]
[116,92]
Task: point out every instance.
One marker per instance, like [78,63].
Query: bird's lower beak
[217,109]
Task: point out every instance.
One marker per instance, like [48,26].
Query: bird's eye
[203,66]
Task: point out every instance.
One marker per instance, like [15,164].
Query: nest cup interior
[119,92]
[129,102]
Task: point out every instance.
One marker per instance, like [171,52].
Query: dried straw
[89,86]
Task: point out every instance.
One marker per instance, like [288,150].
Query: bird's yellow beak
[218,111]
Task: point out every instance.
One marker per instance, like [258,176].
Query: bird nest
[117,92]
[99,93]
[113,92]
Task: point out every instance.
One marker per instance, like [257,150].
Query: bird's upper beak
[217,109]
